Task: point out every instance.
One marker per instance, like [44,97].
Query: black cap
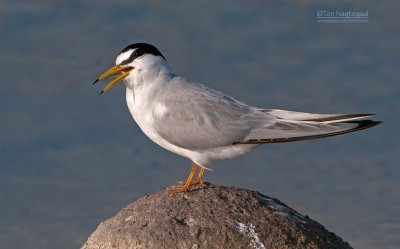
[140,49]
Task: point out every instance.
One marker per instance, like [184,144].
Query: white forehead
[124,56]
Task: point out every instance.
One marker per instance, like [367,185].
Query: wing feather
[198,117]
[304,116]
[279,132]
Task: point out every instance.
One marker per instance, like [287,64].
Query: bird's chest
[142,111]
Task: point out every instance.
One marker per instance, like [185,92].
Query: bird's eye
[138,52]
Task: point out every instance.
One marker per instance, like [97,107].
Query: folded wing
[199,118]
[295,126]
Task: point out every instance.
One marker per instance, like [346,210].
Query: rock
[211,216]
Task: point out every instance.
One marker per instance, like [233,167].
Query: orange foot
[185,186]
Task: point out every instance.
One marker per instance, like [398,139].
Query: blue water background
[70,158]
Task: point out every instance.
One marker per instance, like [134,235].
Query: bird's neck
[155,76]
[143,85]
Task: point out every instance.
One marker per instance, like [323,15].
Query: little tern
[203,124]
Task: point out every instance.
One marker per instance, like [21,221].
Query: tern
[203,124]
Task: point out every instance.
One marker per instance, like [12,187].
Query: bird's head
[133,58]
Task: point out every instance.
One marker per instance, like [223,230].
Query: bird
[203,124]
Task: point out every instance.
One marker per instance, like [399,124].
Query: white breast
[143,112]
[159,110]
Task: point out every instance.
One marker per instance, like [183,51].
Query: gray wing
[197,117]
[287,131]
[304,116]
[294,126]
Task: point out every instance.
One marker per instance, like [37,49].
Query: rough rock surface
[211,216]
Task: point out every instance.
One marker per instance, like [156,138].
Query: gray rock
[211,216]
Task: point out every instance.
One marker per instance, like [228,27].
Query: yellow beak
[111,72]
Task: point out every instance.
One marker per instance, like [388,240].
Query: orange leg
[198,181]
[188,182]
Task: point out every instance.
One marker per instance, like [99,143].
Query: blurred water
[70,159]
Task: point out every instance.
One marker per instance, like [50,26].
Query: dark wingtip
[97,80]
[362,125]
[101,92]
[370,124]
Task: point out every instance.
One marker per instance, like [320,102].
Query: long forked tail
[297,126]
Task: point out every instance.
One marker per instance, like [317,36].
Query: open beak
[123,72]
